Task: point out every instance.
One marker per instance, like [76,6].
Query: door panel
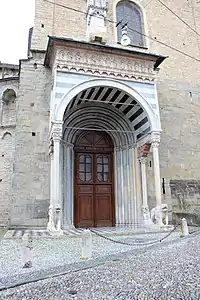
[103,207]
[93,183]
[83,190]
[104,189]
[86,210]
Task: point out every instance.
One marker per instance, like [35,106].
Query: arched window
[128,12]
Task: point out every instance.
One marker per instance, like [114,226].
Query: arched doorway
[94,197]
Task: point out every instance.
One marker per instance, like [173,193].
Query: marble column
[145,207]
[125,195]
[56,167]
[156,172]
[1,111]
[56,202]
[137,185]
[51,222]
[68,179]
[143,161]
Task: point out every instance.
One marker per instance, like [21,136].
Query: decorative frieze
[103,64]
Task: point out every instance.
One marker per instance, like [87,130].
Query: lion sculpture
[159,215]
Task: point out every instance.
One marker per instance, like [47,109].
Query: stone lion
[159,215]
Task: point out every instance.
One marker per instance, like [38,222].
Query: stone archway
[114,85]
[115,108]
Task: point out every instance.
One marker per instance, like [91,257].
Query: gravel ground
[164,272]
[50,253]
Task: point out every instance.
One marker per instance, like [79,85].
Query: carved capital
[155,144]
[56,136]
[56,132]
[155,138]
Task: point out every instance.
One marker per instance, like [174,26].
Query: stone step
[18,233]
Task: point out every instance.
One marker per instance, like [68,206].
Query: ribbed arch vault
[133,108]
[98,117]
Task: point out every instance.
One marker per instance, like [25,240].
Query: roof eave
[52,39]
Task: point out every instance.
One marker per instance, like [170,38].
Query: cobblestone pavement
[164,272]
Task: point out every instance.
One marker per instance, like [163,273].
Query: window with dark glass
[102,168]
[128,12]
[85,167]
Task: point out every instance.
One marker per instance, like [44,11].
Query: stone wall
[30,197]
[186,199]
[179,77]
[7,148]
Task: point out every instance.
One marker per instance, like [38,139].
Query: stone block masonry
[30,196]
[7,142]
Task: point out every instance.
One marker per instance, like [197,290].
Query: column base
[69,227]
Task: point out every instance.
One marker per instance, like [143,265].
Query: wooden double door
[94,201]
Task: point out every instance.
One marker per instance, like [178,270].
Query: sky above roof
[16,17]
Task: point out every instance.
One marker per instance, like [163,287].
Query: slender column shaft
[117,196]
[51,181]
[144,180]
[51,223]
[138,185]
[1,111]
[69,187]
[134,186]
[156,172]
[56,170]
